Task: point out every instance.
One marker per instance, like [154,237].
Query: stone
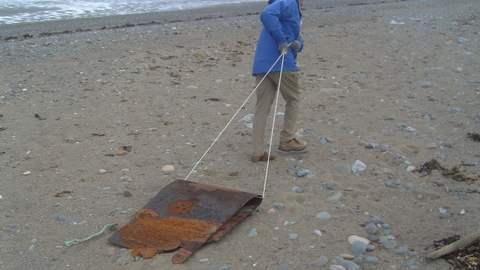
[168,168]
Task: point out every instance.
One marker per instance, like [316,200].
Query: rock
[401,250]
[390,244]
[353,238]
[320,261]
[358,247]
[168,168]
[203,260]
[358,166]
[302,173]
[292,236]
[324,215]
[102,171]
[431,145]
[335,198]
[253,233]
[371,228]
[317,233]
[283,266]
[349,265]
[278,206]
[27,173]
[332,185]
[109,251]
[59,217]
[347,256]
[271,211]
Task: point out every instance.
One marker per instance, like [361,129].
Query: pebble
[297,189]
[60,217]
[401,250]
[320,261]
[358,247]
[371,228]
[409,185]
[352,238]
[332,185]
[373,238]
[109,251]
[431,145]
[102,171]
[438,183]
[324,215]
[336,267]
[317,233]
[371,259]
[358,166]
[203,260]
[347,256]
[292,236]
[302,173]
[168,168]
[27,173]
[223,268]
[417,191]
[335,198]
[371,248]
[283,266]
[348,264]
[271,211]
[411,168]
[390,244]
[278,206]
[253,233]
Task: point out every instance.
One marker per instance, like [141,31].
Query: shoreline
[23,31]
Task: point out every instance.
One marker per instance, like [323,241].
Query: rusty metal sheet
[184,215]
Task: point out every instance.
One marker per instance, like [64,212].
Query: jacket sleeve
[270,18]
[301,43]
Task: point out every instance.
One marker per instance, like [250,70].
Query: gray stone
[358,247]
[253,233]
[332,185]
[401,250]
[324,215]
[278,206]
[390,244]
[371,259]
[349,265]
[371,228]
[320,262]
[283,266]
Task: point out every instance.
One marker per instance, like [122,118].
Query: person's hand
[283,48]
[295,45]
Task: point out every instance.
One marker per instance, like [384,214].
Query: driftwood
[459,244]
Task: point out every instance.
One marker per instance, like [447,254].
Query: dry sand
[396,76]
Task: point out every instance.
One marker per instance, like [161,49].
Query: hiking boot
[292,145]
[263,157]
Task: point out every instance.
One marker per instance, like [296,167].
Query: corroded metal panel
[184,215]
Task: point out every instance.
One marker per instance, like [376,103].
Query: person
[280,34]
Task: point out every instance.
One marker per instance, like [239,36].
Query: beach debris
[39,117]
[455,172]
[183,216]
[474,136]
[110,226]
[62,193]
[462,253]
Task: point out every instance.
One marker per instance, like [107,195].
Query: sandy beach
[92,110]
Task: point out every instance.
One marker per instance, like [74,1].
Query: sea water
[22,11]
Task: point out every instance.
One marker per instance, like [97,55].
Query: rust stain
[180,207]
[148,234]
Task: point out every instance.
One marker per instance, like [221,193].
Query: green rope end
[110,226]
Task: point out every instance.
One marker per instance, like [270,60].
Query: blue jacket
[281,21]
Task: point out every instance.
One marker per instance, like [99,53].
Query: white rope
[273,125]
[221,132]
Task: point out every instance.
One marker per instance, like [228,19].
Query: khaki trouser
[290,90]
